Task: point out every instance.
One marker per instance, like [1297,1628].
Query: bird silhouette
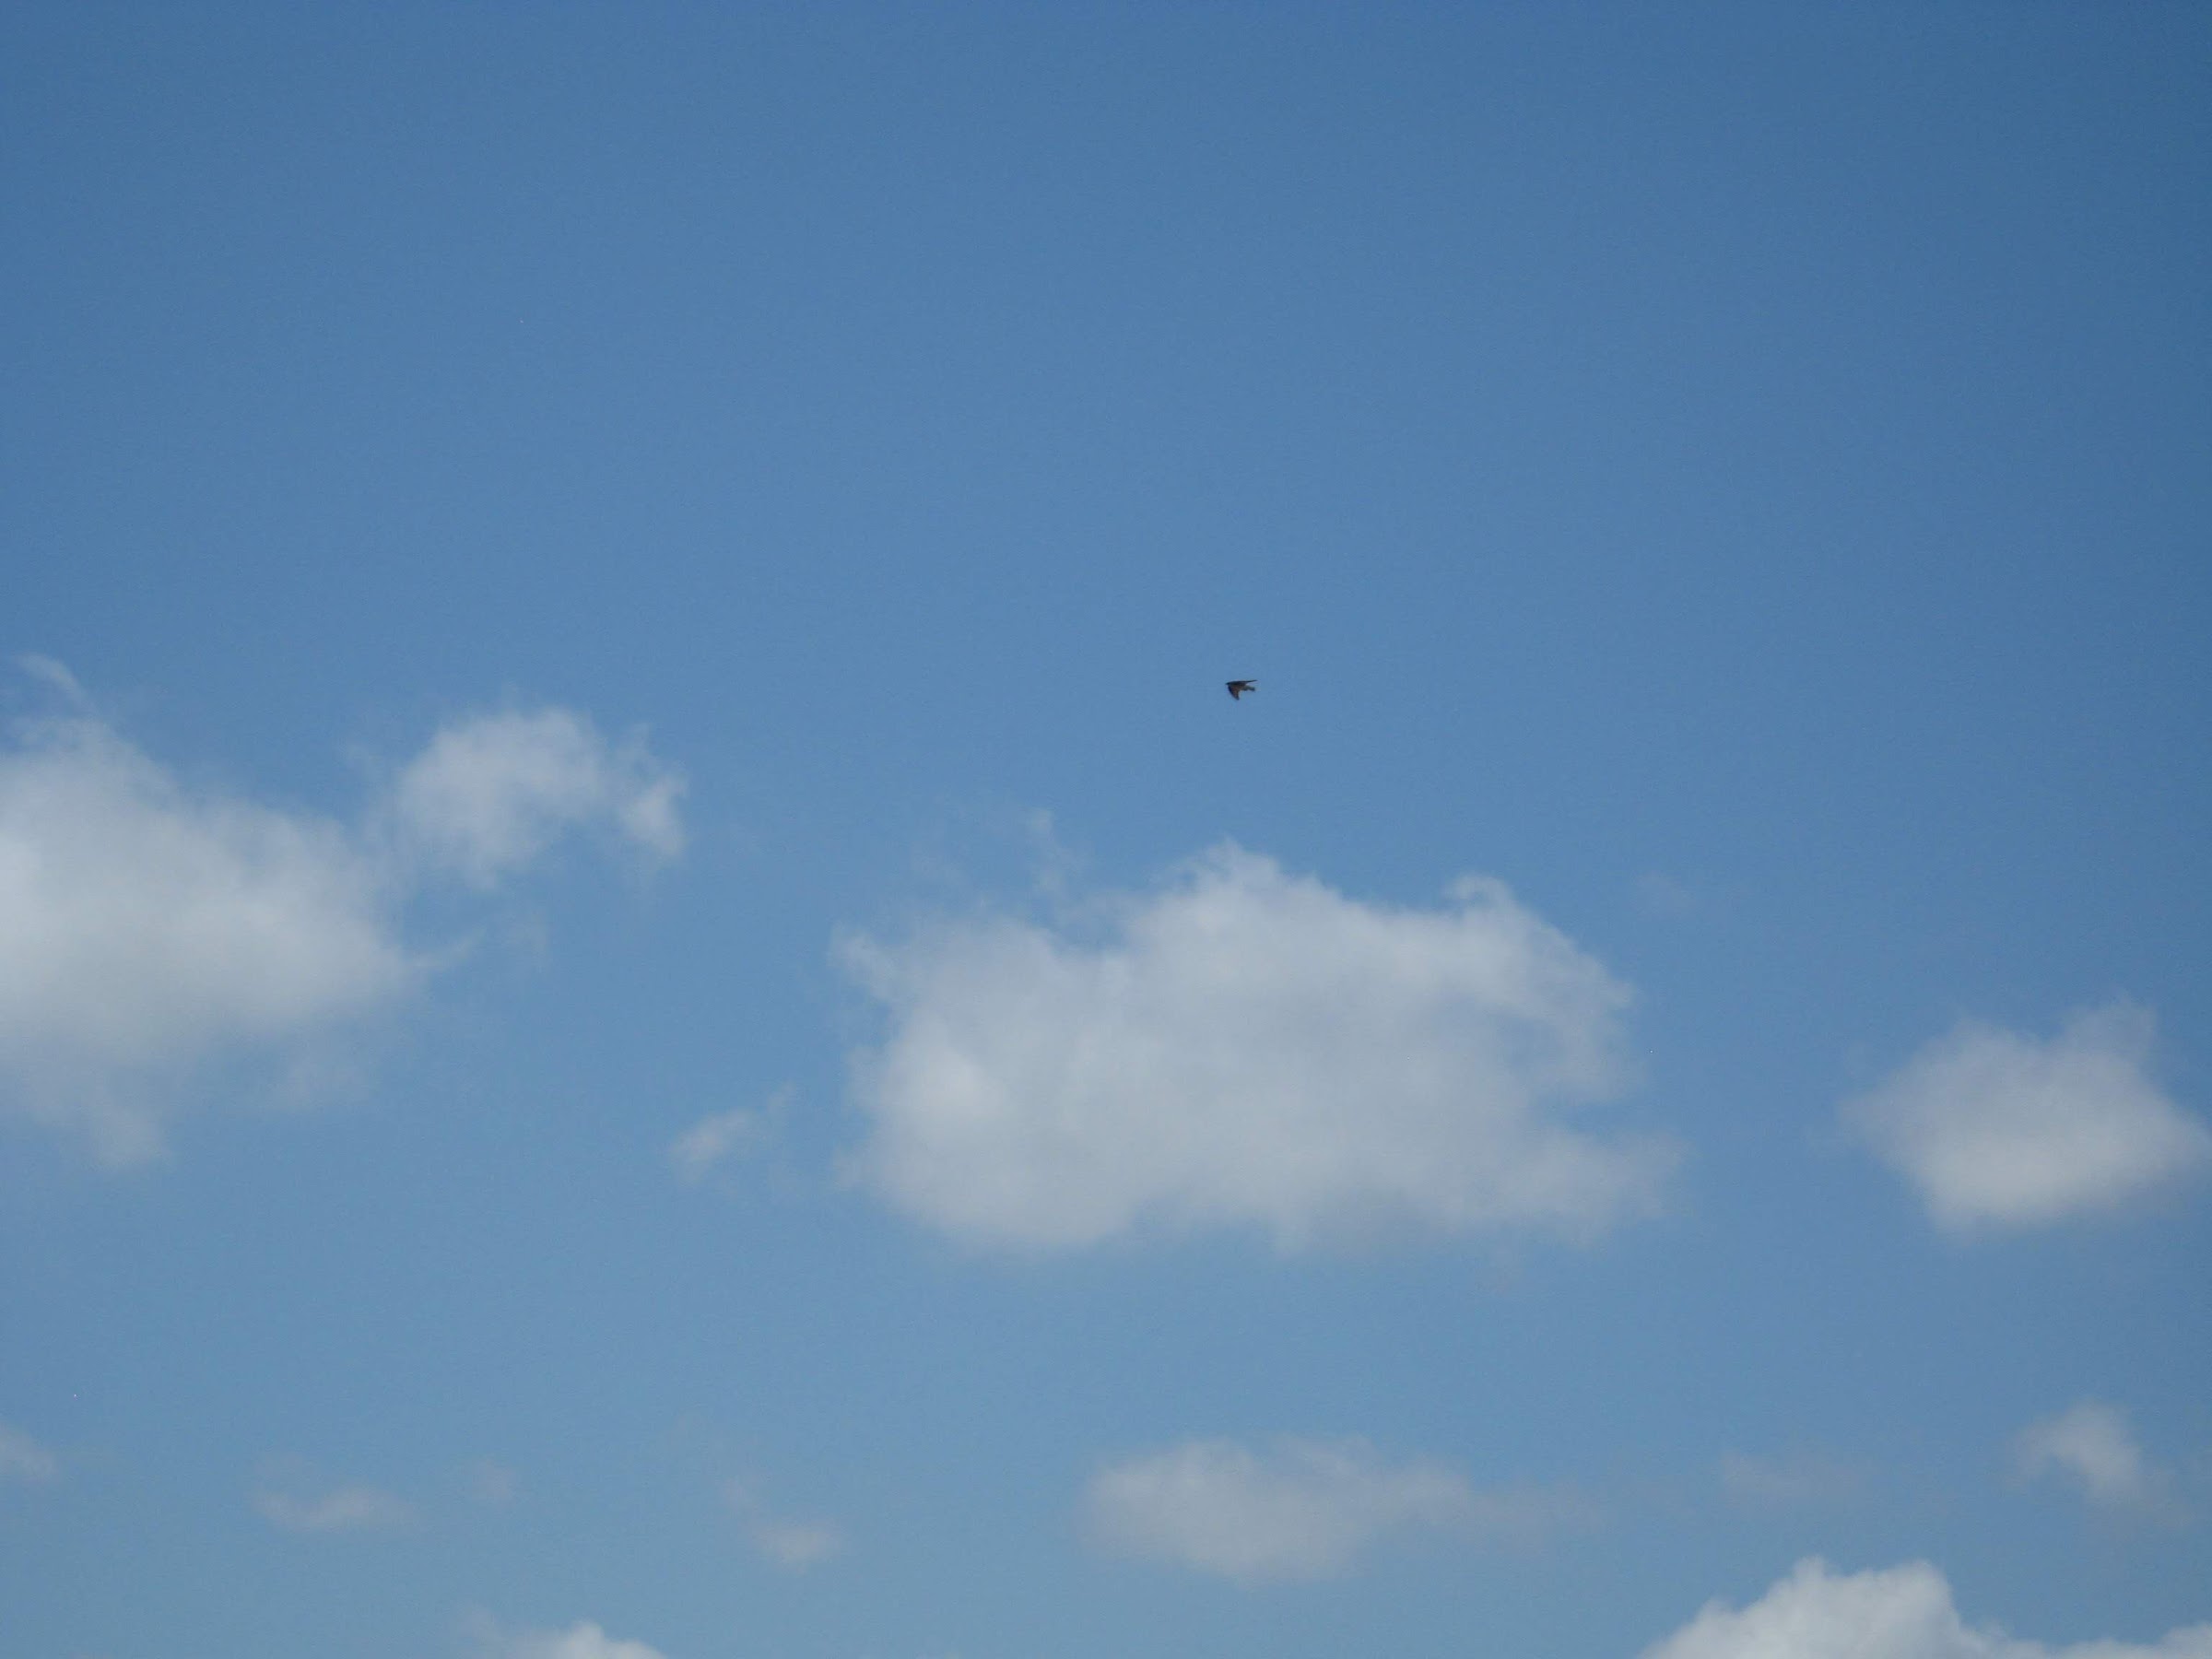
[1238,688]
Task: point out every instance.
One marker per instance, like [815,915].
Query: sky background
[652,1006]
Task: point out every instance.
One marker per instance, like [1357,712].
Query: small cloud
[347,1509]
[1663,897]
[796,1545]
[1898,1613]
[1301,1509]
[2093,1447]
[1054,864]
[1526,1516]
[581,1641]
[24,1461]
[1788,1481]
[793,1544]
[492,1483]
[1996,1129]
[716,1140]
[57,679]
[492,793]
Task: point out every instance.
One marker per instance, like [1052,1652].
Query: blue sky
[652,1006]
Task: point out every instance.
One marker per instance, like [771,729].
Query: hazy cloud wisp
[2093,1447]
[23,1459]
[1301,1509]
[720,1139]
[583,1640]
[793,1544]
[1787,1480]
[347,1509]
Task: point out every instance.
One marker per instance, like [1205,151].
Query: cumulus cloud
[149,926]
[1900,1613]
[1245,1047]
[23,1459]
[492,793]
[347,1509]
[1996,1129]
[1302,1509]
[582,1640]
[2093,1447]
[145,926]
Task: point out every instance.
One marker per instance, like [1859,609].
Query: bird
[1238,688]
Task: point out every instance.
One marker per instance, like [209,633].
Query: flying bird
[1238,688]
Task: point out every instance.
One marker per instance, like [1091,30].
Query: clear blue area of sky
[1740,474]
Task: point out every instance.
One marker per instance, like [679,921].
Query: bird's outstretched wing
[1238,688]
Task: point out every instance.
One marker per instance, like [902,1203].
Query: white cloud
[23,1459]
[1786,1480]
[1997,1129]
[149,927]
[145,926]
[492,793]
[582,1640]
[1901,1613]
[347,1509]
[2093,1447]
[1303,1509]
[1248,1047]
[718,1139]
[792,1545]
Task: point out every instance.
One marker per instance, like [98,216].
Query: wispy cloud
[346,1508]
[1298,1508]
[581,1641]
[2093,1447]
[1244,1047]
[792,1545]
[1665,898]
[1786,1480]
[724,1137]
[57,679]
[1899,1613]
[149,926]
[1996,1129]
[23,1460]
[796,1545]
[492,1483]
